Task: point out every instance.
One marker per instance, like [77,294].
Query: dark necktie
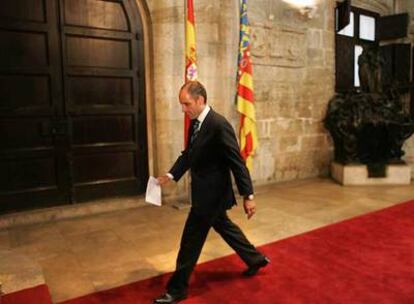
[196,129]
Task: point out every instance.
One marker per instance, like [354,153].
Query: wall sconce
[307,8]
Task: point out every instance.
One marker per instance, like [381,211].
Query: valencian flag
[245,103]
[190,56]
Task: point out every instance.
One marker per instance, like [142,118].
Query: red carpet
[35,295]
[368,259]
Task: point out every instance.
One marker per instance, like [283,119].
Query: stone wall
[383,7]
[217,39]
[294,76]
[293,59]
[293,66]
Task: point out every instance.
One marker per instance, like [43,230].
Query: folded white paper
[153,194]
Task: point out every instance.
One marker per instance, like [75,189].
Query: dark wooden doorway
[72,102]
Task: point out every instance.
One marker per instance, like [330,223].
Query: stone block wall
[383,7]
[294,75]
[293,71]
[217,43]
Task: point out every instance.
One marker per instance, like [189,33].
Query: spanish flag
[190,55]
[245,102]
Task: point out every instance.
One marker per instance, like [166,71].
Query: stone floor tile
[4,239]
[66,277]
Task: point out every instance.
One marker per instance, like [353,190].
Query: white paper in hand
[153,195]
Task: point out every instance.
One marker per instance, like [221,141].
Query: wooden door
[72,110]
[31,159]
[103,74]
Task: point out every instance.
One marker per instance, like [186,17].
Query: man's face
[191,106]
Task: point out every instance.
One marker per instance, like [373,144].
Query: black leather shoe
[169,298]
[253,269]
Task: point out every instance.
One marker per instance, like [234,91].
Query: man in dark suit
[212,153]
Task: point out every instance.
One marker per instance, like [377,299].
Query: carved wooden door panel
[31,158]
[104,97]
[72,110]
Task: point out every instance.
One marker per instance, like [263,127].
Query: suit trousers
[193,238]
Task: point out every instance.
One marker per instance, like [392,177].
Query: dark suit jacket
[211,157]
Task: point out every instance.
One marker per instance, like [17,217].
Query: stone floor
[83,255]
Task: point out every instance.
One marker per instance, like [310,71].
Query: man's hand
[162,180]
[249,208]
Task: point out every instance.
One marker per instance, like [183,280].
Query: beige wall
[294,79]
[293,66]
[383,7]
[217,38]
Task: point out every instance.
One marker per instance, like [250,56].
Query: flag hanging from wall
[245,102]
[190,55]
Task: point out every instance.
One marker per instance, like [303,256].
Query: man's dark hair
[195,89]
